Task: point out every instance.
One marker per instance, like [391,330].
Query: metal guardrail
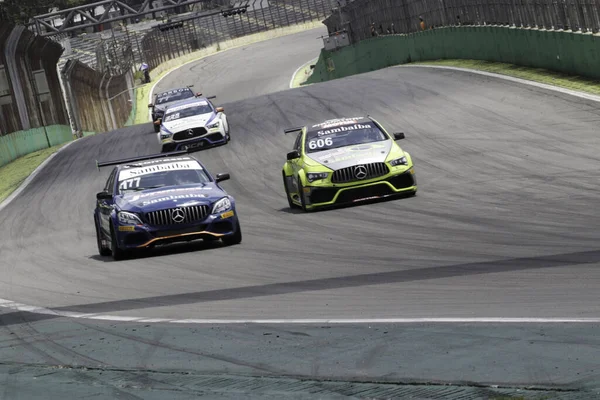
[185,35]
[367,18]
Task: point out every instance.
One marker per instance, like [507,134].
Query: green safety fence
[18,144]
[567,52]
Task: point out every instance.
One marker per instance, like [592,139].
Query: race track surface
[505,223]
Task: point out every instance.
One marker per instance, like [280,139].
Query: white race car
[193,124]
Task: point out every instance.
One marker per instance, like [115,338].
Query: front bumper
[212,138]
[385,186]
[144,236]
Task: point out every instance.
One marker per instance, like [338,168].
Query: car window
[188,172]
[174,95]
[110,181]
[187,110]
[298,142]
[343,135]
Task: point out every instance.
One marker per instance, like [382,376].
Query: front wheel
[235,238]
[103,251]
[301,194]
[117,253]
[287,191]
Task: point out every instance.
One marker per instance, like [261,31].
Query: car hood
[170,197]
[348,156]
[194,121]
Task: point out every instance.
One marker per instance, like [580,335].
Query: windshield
[189,110]
[341,136]
[155,176]
[174,95]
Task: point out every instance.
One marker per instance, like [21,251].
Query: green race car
[346,160]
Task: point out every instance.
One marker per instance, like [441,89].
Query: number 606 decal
[317,144]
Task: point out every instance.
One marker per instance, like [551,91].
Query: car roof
[337,122]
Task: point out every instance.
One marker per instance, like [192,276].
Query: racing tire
[301,194]
[156,128]
[235,238]
[103,251]
[118,254]
[287,192]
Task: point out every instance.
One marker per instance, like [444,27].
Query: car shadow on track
[348,205]
[166,250]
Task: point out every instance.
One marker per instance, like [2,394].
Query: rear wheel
[103,251]
[235,238]
[287,191]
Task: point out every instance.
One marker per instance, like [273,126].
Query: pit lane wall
[30,94]
[574,53]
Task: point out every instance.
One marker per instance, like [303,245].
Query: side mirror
[198,94]
[220,109]
[399,135]
[222,177]
[103,196]
[292,155]
[150,105]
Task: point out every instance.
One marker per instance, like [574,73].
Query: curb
[582,95]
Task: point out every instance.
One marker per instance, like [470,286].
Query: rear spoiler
[290,130]
[141,158]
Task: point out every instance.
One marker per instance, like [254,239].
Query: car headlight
[222,205]
[164,134]
[214,125]
[399,161]
[315,176]
[127,218]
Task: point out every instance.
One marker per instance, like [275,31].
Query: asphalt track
[505,225]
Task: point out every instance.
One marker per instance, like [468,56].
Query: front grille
[364,192]
[364,172]
[215,137]
[322,195]
[189,134]
[187,215]
[402,181]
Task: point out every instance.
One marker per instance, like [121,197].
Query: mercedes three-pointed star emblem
[177,215]
[360,172]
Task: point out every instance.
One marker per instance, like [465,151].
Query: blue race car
[160,199]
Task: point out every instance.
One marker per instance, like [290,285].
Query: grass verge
[15,172]
[540,75]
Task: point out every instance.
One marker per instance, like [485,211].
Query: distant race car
[166,98]
[160,199]
[343,161]
[193,124]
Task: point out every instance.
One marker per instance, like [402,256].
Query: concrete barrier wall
[571,53]
[18,144]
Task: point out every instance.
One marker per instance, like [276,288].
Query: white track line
[575,93]
[14,306]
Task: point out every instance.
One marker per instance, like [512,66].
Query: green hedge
[571,53]
[18,144]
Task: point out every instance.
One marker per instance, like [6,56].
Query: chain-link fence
[367,18]
[185,35]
